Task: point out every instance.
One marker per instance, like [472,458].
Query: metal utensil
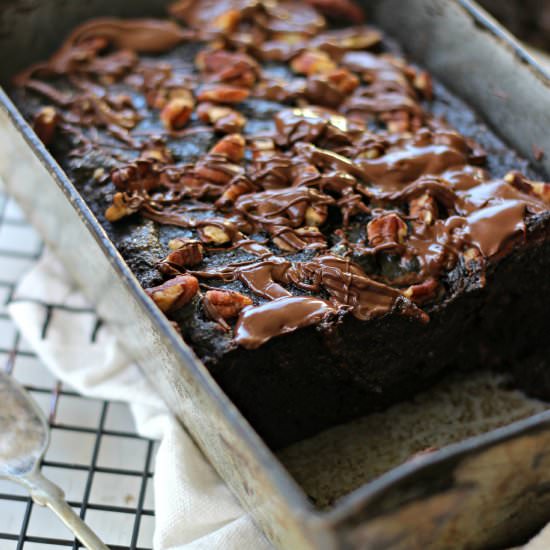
[24,438]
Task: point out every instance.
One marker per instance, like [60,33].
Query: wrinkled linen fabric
[193,507]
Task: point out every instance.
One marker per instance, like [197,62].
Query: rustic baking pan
[486,491]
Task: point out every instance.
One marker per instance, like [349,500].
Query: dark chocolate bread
[330,230]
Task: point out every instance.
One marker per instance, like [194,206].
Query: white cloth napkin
[193,507]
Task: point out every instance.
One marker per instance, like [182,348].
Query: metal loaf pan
[483,492]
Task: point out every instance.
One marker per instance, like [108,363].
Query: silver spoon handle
[46,493]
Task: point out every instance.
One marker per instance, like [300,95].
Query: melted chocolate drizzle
[352,156]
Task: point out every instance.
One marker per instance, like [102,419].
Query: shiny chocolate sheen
[355,200]
[259,324]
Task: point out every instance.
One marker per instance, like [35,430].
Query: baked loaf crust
[299,202]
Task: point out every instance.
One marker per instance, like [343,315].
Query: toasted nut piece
[538,188]
[422,292]
[372,153]
[185,252]
[161,97]
[179,259]
[45,124]
[175,293]
[225,304]
[541,189]
[283,244]
[262,148]
[232,122]
[219,173]
[291,38]
[231,146]
[157,151]
[237,187]
[312,62]
[209,112]
[223,118]
[343,80]
[472,255]
[423,209]
[237,68]
[342,9]
[212,234]
[386,229]
[262,144]
[423,83]
[398,122]
[181,93]
[311,236]
[227,21]
[123,205]
[316,215]
[99,174]
[223,94]
[176,113]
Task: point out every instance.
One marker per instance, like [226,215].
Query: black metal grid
[10,355]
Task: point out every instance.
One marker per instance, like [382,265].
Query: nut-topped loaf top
[349,198]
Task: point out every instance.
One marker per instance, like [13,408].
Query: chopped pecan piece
[343,80]
[45,124]
[423,83]
[176,113]
[100,175]
[330,88]
[216,170]
[223,118]
[223,94]
[185,253]
[386,229]
[235,68]
[227,22]
[224,304]
[423,209]
[519,181]
[262,148]
[312,62]
[140,175]
[123,205]
[422,292]
[231,146]
[237,187]
[316,215]
[213,234]
[156,151]
[399,122]
[472,255]
[175,293]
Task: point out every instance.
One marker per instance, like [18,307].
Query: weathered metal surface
[23,430]
[468,495]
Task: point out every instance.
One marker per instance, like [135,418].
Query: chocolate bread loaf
[329,229]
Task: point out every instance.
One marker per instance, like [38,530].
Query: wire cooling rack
[95,455]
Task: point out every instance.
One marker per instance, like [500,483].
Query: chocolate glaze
[282,315]
[354,172]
